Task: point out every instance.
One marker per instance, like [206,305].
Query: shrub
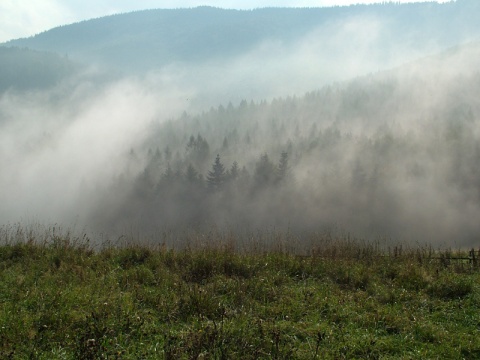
[450,287]
[412,277]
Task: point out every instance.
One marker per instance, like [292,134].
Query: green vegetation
[221,298]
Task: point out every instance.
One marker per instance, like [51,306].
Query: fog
[277,68]
[52,149]
[374,152]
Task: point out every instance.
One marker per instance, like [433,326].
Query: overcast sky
[22,18]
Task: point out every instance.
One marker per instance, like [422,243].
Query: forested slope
[393,154]
[24,69]
[151,39]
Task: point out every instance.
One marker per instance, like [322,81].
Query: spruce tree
[234,171]
[191,175]
[216,177]
[283,166]
[265,172]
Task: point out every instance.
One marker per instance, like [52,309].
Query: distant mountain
[25,69]
[150,39]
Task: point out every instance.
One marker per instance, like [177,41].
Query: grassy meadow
[216,297]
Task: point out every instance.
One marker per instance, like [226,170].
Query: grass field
[62,298]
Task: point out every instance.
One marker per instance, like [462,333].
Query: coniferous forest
[346,156]
[342,123]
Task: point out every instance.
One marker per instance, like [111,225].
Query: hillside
[25,69]
[151,39]
[383,155]
[388,155]
[392,154]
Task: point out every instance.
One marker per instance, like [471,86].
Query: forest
[370,156]
[344,124]
[25,69]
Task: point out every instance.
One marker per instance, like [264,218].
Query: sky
[24,18]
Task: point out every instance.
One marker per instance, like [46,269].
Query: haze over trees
[370,156]
[186,129]
[24,69]
[201,34]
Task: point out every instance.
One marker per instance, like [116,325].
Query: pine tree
[168,153]
[225,144]
[283,166]
[234,171]
[191,175]
[265,172]
[216,177]
[168,174]
[198,150]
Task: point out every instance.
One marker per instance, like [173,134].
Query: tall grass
[222,296]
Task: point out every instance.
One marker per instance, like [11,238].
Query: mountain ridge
[149,39]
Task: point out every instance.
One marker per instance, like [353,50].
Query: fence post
[473,259]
